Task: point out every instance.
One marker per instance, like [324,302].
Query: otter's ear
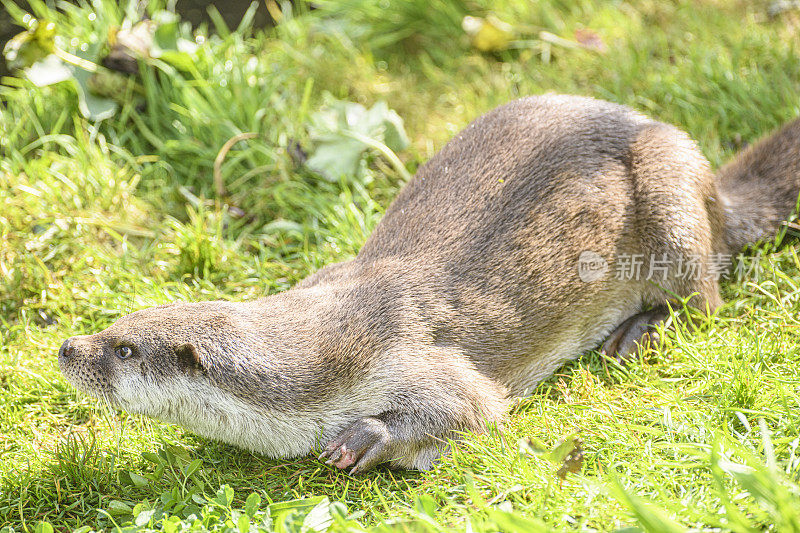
[188,358]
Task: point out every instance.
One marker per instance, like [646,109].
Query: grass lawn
[101,217]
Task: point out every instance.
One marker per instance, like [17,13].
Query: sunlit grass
[97,220]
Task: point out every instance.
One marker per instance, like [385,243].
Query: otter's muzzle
[67,351]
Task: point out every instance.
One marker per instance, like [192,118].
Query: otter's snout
[67,351]
[82,362]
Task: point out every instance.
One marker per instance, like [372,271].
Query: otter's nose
[66,351]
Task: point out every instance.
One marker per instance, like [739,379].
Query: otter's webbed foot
[637,331]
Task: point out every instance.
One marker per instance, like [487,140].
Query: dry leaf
[128,46]
[488,34]
[590,40]
[573,461]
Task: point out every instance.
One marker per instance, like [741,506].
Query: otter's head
[152,361]
[223,370]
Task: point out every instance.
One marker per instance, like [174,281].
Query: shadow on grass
[88,483]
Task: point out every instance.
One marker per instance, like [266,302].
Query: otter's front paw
[364,444]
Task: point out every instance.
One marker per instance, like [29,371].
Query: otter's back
[521,164]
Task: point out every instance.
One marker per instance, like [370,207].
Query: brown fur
[760,187]
[467,291]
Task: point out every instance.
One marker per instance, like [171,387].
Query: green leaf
[563,448]
[179,60]
[384,124]
[91,106]
[224,496]
[336,156]
[394,134]
[243,523]
[170,525]
[299,504]
[116,508]
[143,518]
[139,481]
[43,527]
[169,44]
[153,458]
[343,131]
[426,505]
[319,517]
[166,455]
[251,504]
[192,467]
[286,515]
[178,454]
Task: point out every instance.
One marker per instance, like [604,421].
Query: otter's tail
[759,188]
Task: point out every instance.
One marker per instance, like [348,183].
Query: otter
[489,270]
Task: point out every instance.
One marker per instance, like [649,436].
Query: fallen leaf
[128,45]
[568,454]
[573,461]
[590,40]
[488,34]
[780,6]
[164,37]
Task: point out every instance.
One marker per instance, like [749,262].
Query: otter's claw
[362,445]
[339,457]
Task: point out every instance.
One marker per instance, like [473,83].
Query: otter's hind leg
[678,223]
[640,330]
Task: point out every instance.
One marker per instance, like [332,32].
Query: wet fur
[466,293]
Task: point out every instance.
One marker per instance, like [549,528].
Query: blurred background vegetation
[147,157]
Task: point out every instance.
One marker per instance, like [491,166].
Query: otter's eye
[124,352]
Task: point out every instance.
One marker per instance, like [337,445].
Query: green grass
[98,219]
